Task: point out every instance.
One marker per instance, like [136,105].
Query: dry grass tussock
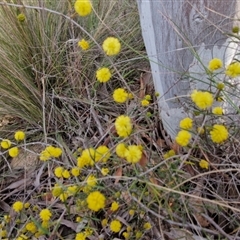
[72,172]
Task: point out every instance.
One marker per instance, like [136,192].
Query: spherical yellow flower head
[5,143]
[145,103]
[82,162]
[103,75]
[57,190]
[21,17]
[31,227]
[104,171]
[50,152]
[219,133]
[45,155]
[233,70]
[88,232]
[126,235]
[19,135]
[75,171]
[215,64]
[72,190]
[63,196]
[111,46]
[203,100]
[91,181]
[7,218]
[45,214]
[83,7]
[58,171]
[55,152]
[217,111]
[186,123]
[114,206]
[220,86]
[4,234]
[169,154]
[138,234]
[183,137]
[96,201]
[147,226]
[26,205]
[18,206]
[66,174]
[13,152]
[123,126]
[83,44]
[121,149]
[45,224]
[78,219]
[235,29]
[80,236]
[133,154]
[104,222]
[115,226]
[204,164]
[87,158]
[148,97]
[129,229]
[120,95]
[102,154]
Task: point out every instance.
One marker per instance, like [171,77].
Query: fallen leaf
[175,147]
[126,197]
[118,175]
[153,180]
[19,183]
[4,206]
[161,143]
[143,161]
[47,197]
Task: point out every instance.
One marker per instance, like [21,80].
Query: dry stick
[160,226]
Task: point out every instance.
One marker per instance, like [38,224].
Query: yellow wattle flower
[203,100]
[103,75]
[13,152]
[96,201]
[215,64]
[111,46]
[120,95]
[204,164]
[123,126]
[183,138]
[186,123]
[219,133]
[233,70]
[83,7]
[83,44]
[5,143]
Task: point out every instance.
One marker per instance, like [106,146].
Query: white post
[172,30]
